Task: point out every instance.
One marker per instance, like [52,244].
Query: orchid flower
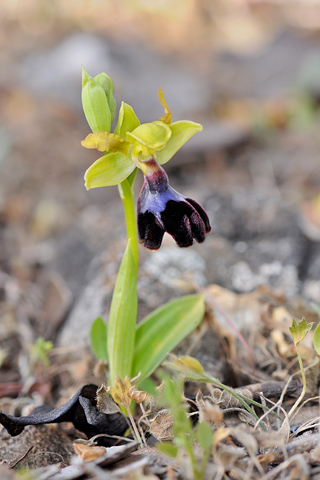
[146,146]
[161,208]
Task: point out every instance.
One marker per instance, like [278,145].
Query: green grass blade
[163,330]
[122,318]
[98,338]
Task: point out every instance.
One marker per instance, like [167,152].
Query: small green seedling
[39,353]
[184,436]
[298,332]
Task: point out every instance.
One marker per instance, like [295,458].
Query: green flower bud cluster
[98,101]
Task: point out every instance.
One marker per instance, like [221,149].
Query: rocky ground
[254,168]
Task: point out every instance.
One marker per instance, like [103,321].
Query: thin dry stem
[134,426]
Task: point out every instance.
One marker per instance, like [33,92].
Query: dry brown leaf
[208,410]
[120,391]
[269,439]
[87,453]
[285,349]
[138,396]
[314,455]
[161,425]
[244,309]
[221,434]
[282,316]
[105,402]
[227,455]
[300,445]
[245,437]
[225,400]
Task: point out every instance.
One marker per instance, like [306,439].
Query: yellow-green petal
[153,135]
[182,131]
[166,118]
[110,169]
[106,142]
[127,120]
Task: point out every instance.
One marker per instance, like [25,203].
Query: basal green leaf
[316,339]
[110,169]
[182,131]
[95,104]
[122,318]
[163,329]
[148,385]
[127,120]
[98,338]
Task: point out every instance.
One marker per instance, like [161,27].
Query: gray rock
[90,305]
[255,240]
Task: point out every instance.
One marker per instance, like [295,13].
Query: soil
[255,170]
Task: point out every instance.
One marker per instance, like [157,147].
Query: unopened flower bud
[107,84]
[95,104]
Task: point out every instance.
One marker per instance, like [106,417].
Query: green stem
[127,197]
[205,459]
[304,381]
[190,453]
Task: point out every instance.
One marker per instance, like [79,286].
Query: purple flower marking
[162,209]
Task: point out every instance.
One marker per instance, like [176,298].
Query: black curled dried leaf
[81,410]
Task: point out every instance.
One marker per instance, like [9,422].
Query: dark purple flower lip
[161,209]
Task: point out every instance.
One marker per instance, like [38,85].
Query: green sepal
[95,104]
[122,318]
[162,330]
[127,120]
[106,142]
[153,135]
[110,169]
[98,339]
[107,84]
[182,131]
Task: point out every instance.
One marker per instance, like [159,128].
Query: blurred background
[248,70]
